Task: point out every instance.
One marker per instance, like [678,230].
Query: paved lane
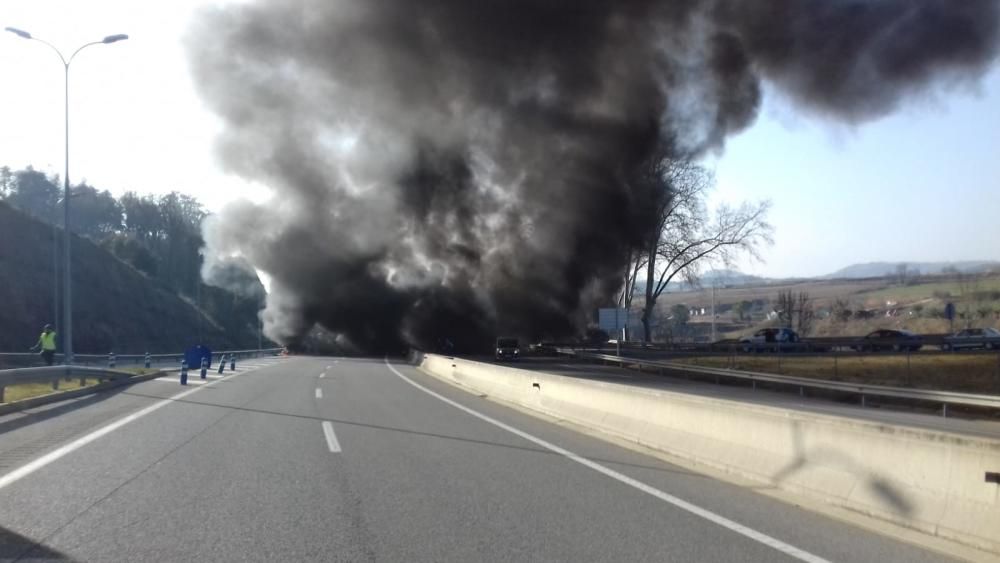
[333,459]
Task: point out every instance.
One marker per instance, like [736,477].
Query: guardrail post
[835,373]
[222,363]
[944,410]
[184,372]
[55,383]
[862,400]
[909,376]
[1,393]
[148,361]
[111,360]
[204,367]
[232,362]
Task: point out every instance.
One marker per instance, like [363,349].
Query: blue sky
[922,184]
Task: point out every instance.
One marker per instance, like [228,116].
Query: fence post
[909,376]
[204,367]
[222,363]
[148,361]
[184,372]
[111,359]
[55,383]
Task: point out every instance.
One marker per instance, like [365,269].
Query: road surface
[323,459]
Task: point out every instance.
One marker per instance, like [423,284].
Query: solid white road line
[48,458]
[331,438]
[761,537]
[319,393]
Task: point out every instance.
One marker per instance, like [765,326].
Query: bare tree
[902,273]
[841,310]
[686,234]
[785,308]
[804,314]
[795,311]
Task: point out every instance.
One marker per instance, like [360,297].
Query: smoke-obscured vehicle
[507,349]
[973,338]
[770,339]
[889,339]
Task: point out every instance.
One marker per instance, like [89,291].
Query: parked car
[769,339]
[887,339]
[988,338]
[508,349]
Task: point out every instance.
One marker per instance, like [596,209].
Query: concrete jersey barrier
[928,480]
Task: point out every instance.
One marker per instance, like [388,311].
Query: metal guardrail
[945,398]
[818,346]
[54,374]
[27,358]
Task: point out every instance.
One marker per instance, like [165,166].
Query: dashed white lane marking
[322,375]
[54,455]
[760,537]
[319,393]
[331,438]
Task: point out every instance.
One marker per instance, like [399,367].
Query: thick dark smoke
[454,169]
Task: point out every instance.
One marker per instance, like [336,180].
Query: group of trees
[159,235]
[687,236]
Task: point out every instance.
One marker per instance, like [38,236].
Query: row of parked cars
[769,339]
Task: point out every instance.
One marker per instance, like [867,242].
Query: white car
[973,338]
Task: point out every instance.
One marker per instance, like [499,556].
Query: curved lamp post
[67,336]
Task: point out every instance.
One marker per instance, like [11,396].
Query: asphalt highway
[326,459]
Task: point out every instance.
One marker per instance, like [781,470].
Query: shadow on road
[15,547]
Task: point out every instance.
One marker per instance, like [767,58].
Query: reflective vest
[48,340]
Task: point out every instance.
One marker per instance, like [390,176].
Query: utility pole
[713,310]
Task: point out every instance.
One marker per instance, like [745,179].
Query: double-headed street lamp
[67,336]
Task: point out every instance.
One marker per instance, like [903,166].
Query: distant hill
[877,269]
[115,306]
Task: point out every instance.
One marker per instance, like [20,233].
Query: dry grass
[974,373]
[28,390]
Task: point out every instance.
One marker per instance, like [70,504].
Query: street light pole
[67,336]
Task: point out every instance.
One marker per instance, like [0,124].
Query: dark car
[771,339]
[887,339]
[508,349]
[973,338]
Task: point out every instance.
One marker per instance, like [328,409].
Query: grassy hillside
[115,307]
[874,302]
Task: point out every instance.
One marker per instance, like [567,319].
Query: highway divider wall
[928,480]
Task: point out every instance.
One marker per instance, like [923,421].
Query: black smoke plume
[455,169]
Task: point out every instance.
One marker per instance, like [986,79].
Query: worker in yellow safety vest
[46,345]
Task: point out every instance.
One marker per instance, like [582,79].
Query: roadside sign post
[949,313]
